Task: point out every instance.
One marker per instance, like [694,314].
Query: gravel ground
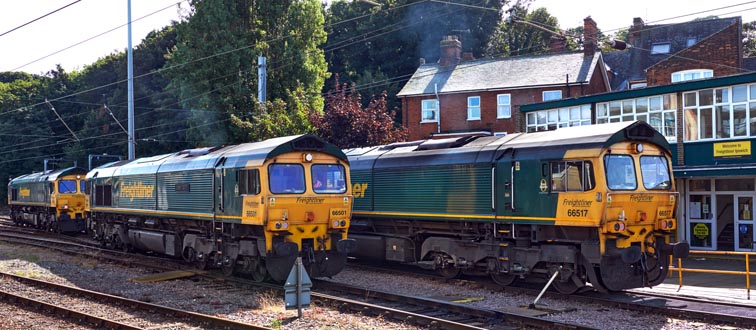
[593,315]
[263,310]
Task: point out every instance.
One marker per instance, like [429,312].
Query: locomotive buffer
[297,288]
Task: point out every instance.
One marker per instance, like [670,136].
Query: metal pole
[533,305]
[262,78]
[130,72]
[299,287]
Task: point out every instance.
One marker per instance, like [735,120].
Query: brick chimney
[590,36]
[633,34]
[451,51]
[557,44]
[468,56]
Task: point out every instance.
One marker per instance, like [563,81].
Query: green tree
[749,39]
[525,32]
[214,64]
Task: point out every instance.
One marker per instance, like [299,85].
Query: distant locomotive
[251,208]
[53,200]
[596,204]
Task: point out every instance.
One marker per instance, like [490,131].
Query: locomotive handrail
[680,269]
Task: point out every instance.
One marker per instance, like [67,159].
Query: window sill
[510,117]
[473,119]
[428,121]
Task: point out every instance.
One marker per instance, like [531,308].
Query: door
[744,234]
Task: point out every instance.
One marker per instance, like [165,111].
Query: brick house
[668,53]
[463,96]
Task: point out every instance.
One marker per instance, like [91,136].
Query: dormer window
[691,41]
[660,48]
[691,75]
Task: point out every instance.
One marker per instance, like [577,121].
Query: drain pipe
[438,108]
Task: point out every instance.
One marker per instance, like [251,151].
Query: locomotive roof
[246,154]
[468,150]
[47,176]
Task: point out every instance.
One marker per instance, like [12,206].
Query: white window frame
[650,109]
[726,103]
[471,108]
[659,48]
[503,109]
[680,76]
[551,98]
[425,109]
[553,119]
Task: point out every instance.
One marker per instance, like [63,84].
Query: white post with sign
[297,288]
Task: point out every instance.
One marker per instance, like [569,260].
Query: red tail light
[643,216]
[310,216]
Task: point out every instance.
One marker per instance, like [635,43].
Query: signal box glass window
[67,186]
[572,176]
[620,172]
[286,178]
[655,173]
[249,182]
[328,179]
[429,110]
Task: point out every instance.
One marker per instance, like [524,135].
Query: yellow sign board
[732,149]
[701,230]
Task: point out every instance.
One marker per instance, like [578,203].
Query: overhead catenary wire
[39,18]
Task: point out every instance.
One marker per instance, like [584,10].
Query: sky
[49,36]
[60,37]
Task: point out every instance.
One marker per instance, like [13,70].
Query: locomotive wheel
[503,279]
[229,267]
[260,273]
[449,272]
[565,287]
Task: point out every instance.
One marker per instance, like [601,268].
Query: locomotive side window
[249,182]
[620,172]
[328,179]
[572,176]
[286,178]
[655,173]
[103,195]
[83,187]
[14,194]
[67,186]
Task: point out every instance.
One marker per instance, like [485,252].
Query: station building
[710,124]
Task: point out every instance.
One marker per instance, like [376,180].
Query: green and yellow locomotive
[251,208]
[52,200]
[594,204]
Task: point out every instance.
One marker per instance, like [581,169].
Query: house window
[552,95]
[637,85]
[691,75]
[658,111]
[691,41]
[503,106]
[549,120]
[720,113]
[661,48]
[473,108]
[430,107]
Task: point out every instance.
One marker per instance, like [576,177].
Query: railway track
[106,310]
[415,310]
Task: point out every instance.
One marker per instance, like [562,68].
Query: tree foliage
[347,124]
[521,35]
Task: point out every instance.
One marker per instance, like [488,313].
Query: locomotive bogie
[584,204]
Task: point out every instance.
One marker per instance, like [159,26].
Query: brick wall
[719,52]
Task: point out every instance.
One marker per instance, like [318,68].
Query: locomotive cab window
[286,178]
[249,182]
[328,179]
[67,186]
[620,172]
[655,173]
[572,176]
[14,194]
[83,187]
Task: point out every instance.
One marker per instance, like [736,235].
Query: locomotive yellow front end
[305,211]
[69,201]
[639,216]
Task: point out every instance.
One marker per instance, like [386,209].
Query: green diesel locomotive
[595,205]
[250,208]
